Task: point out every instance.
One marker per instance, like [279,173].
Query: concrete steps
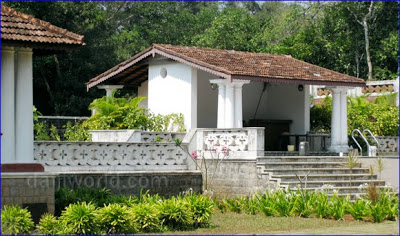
[300,159]
[305,164]
[336,183]
[303,171]
[296,153]
[330,177]
[321,170]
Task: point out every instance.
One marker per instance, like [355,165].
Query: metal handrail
[362,136]
[373,136]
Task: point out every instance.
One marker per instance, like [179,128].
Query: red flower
[194,155]
[225,150]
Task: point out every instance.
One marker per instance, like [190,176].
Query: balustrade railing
[388,144]
[234,141]
[74,156]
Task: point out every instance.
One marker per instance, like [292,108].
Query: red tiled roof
[231,64]
[17,26]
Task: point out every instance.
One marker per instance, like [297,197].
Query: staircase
[321,170]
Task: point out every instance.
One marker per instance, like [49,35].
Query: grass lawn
[232,223]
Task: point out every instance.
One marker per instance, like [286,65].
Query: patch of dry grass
[232,223]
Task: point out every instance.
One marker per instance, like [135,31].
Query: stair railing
[362,136]
[373,136]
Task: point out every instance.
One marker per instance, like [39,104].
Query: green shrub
[337,206]
[266,204]
[389,203]
[381,116]
[358,209]
[377,211]
[117,113]
[16,220]
[221,205]
[251,206]
[284,202]
[171,122]
[65,197]
[76,132]
[116,219]
[125,113]
[147,217]
[303,205]
[148,198]
[175,213]
[234,205]
[320,115]
[321,204]
[202,208]
[49,224]
[80,218]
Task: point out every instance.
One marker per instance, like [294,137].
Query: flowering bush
[207,160]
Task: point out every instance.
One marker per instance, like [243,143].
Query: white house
[215,88]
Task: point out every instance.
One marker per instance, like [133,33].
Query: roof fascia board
[192,64]
[129,64]
[297,81]
[153,52]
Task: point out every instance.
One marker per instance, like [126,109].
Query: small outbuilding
[216,88]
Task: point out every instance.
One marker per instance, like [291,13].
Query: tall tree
[363,19]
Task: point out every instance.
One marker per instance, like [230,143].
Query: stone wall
[32,190]
[390,172]
[131,183]
[238,178]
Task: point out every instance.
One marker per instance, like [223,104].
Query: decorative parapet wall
[373,89]
[134,136]
[95,156]
[244,143]
[388,144]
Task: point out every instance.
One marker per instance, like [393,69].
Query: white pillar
[7,105]
[109,92]
[343,119]
[339,140]
[335,121]
[229,106]
[110,89]
[221,106]
[24,106]
[221,102]
[238,102]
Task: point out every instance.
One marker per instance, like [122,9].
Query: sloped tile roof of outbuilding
[232,64]
[17,26]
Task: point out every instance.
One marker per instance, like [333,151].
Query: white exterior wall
[279,102]
[207,101]
[143,91]
[176,93]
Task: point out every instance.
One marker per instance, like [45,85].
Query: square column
[7,105]
[339,139]
[221,102]
[230,113]
[238,85]
[24,106]
[229,106]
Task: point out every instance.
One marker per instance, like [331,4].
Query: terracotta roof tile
[240,65]
[17,26]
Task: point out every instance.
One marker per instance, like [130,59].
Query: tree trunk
[364,23]
[366,35]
